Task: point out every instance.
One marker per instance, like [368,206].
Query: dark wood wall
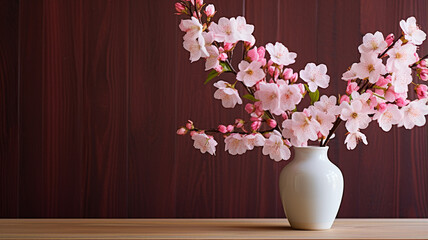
[92,91]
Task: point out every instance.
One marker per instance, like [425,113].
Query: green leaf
[211,75]
[250,97]
[314,96]
[225,66]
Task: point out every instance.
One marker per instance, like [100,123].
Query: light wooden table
[207,229]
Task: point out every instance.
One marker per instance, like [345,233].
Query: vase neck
[311,153]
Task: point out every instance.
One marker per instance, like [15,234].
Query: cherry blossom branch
[217,131]
[390,46]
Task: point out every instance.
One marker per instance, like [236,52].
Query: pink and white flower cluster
[377,86]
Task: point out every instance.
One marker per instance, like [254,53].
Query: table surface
[207,229]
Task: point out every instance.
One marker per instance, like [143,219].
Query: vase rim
[312,147]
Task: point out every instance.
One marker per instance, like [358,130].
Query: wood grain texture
[208,229]
[74,72]
[92,92]
[9,123]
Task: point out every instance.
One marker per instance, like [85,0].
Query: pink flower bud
[287,74]
[284,116]
[179,7]
[223,57]
[261,51]
[401,102]
[271,123]
[249,45]
[192,133]
[424,63]
[255,119]
[379,92]
[270,62]
[390,94]
[199,3]
[195,15]
[423,74]
[372,102]
[218,69]
[276,74]
[181,131]
[252,54]
[189,125]
[239,123]
[249,108]
[230,128]
[344,98]
[228,46]
[221,50]
[210,11]
[381,107]
[256,125]
[294,78]
[258,108]
[222,128]
[421,90]
[382,82]
[320,136]
[352,87]
[302,88]
[389,39]
[271,70]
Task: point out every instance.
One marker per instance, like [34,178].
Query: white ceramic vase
[311,189]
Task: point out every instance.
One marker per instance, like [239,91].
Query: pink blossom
[276,149]
[353,138]
[182,131]
[210,10]
[269,95]
[304,128]
[352,87]
[227,46]
[197,48]
[390,94]
[250,73]
[223,57]
[351,74]
[290,96]
[389,39]
[280,55]
[192,27]
[244,30]
[294,78]
[315,76]
[236,144]
[414,114]
[229,96]
[218,69]
[422,91]
[222,128]
[401,56]
[226,30]
[324,119]
[204,143]
[212,60]
[391,115]
[412,33]
[373,43]
[370,66]
[354,116]
[254,140]
[401,80]
[328,105]
[199,2]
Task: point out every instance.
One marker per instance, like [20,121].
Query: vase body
[311,189]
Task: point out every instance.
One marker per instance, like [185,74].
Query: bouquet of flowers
[377,89]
